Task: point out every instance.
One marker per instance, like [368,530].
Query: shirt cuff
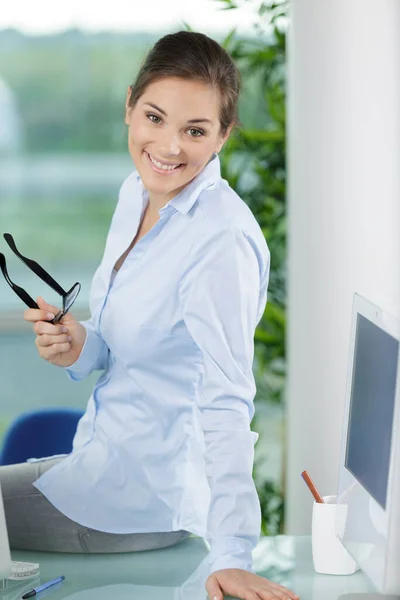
[231,553]
[90,357]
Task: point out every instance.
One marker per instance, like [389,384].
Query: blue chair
[40,433]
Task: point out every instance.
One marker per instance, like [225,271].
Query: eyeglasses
[68,298]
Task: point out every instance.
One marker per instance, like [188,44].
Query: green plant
[254,163]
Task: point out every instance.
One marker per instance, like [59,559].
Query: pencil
[311,486]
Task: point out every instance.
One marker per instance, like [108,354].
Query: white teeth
[161,166]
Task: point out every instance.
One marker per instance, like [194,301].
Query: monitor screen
[371,408]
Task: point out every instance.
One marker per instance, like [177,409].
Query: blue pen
[42,587]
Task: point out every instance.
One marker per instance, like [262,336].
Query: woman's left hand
[246,586]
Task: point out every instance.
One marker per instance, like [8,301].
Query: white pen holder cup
[329,555]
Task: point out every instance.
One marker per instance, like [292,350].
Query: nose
[168,144]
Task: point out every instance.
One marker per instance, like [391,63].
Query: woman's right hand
[60,344]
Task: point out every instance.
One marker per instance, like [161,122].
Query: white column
[344,215]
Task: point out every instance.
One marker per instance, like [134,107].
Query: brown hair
[193,56]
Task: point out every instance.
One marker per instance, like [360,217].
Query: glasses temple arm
[25,297]
[35,267]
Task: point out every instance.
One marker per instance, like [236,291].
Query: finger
[213,588]
[50,352]
[45,306]
[249,595]
[288,593]
[49,340]
[270,594]
[35,314]
[277,591]
[42,327]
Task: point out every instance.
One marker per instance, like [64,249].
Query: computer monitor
[369,472]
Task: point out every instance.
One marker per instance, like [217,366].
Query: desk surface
[178,573]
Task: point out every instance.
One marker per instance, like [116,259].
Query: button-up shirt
[165,443]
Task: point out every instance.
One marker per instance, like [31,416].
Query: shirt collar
[208,177]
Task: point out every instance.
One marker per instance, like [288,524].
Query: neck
[156,203]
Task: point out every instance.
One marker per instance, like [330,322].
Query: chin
[158,190]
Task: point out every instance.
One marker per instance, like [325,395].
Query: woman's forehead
[176,95]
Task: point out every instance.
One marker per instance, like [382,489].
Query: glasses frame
[44,276]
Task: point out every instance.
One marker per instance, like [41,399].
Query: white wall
[344,215]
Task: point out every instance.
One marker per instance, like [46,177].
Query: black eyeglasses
[68,298]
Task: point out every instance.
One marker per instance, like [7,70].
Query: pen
[311,486]
[42,587]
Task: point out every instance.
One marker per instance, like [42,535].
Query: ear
[127,107]
[223,139]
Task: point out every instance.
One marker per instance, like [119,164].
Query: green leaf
[229,4]
[187,26]
[227,41]
[263,136]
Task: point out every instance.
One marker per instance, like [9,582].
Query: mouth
[163,168]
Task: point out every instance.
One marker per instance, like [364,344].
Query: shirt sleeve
[222,296]
[93,357]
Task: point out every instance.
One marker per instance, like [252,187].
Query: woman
[165,447]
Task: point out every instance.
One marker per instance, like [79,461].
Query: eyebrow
[190,120]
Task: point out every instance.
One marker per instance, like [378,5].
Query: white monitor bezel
[349,488]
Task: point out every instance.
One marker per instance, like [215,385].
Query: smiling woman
[180,111]
[164,448]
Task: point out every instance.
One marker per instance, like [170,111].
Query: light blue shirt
[165,443]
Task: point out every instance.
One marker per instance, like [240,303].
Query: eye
[196,132]
[153,118]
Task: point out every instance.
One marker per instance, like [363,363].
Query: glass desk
[179,573]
